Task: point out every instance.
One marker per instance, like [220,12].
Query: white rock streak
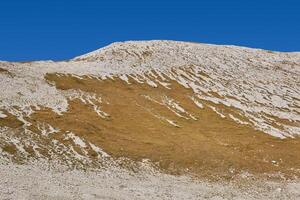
[2,115]
[77,140]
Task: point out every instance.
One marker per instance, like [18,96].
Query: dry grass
[211,146]
[10,121]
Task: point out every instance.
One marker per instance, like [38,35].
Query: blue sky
[62,29]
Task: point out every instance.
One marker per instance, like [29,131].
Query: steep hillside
[186,108]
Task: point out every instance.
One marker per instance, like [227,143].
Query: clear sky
[62,29]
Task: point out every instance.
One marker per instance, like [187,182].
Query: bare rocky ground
[39,181]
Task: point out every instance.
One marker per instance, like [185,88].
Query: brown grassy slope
[211,145]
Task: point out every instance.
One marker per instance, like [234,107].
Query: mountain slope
[206,110]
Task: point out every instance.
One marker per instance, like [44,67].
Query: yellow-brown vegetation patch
[10,121]
[209,146]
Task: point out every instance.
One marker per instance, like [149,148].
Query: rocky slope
[206,111]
